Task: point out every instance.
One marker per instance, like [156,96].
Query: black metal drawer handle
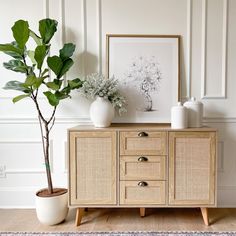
[142,184]
[142,159]
[142,134]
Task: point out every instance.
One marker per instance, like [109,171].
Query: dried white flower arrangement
[96,85]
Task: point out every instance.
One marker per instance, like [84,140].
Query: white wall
[208,71]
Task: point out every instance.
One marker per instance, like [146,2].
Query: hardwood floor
[164,219]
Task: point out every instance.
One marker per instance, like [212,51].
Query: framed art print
[147,68]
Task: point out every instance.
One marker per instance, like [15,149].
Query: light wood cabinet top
[138,126]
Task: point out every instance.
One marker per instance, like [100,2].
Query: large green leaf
[16,65]
[38,82]
[47,28]
[40,54]
[11,50]
[67,64]
[20,97]
[14,55]
[61,95]
[30,80]
[53,85]
[21,32]
[36,38]
[66,90]
[52,99]
[16,85]
[67,51]
[75,83]
[55,64]
[30,54]
[18,53]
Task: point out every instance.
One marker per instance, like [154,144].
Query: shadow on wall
[84,62]
[89,63]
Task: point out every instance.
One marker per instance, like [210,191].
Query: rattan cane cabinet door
[92,168]
[192,161]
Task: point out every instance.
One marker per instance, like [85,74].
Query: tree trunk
[46,157]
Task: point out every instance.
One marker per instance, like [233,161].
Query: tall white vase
[101,112]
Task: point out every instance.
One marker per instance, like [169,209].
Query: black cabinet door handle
[142,159]
[142,134]
[142,184]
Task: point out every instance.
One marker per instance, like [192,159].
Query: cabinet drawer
[132,192]
[142,167]
[143,143]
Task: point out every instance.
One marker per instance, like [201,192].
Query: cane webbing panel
[143,144]
[192,168]
[153,193]
[152,144]
[95,173]
[151,169]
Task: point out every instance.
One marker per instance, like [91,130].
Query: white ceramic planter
[101,112]
[52,210]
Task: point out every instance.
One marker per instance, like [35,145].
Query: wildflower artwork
[147,68]
[145,75]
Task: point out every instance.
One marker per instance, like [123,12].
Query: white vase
[101,112]
[52,210]
[179,117]
[195,112]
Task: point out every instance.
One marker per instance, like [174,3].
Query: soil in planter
[56,192]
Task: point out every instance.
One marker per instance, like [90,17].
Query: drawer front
[132,192]
[143,143]
[142,167]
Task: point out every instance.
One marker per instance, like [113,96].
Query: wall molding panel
[99,34]
[86,120]
[224,48]
[59,120]
[21,197]
[204,94]
[62,22]
[221,156]
[66,151]
[45,8]
[225,199]
[85,38]
[189,48]
[219,120]
[28,170]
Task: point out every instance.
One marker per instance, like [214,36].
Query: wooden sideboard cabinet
[143,166]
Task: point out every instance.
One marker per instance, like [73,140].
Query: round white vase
[52,210]
[101,112]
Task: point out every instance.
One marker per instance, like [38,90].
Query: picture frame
[147,68]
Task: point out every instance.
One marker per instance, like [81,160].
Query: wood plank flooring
[120,220]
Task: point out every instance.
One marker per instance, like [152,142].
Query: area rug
[189,233]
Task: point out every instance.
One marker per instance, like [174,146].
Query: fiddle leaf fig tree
[36,65]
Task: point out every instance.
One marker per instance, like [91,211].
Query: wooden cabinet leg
[142,211]
[79,215]
[205,217]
